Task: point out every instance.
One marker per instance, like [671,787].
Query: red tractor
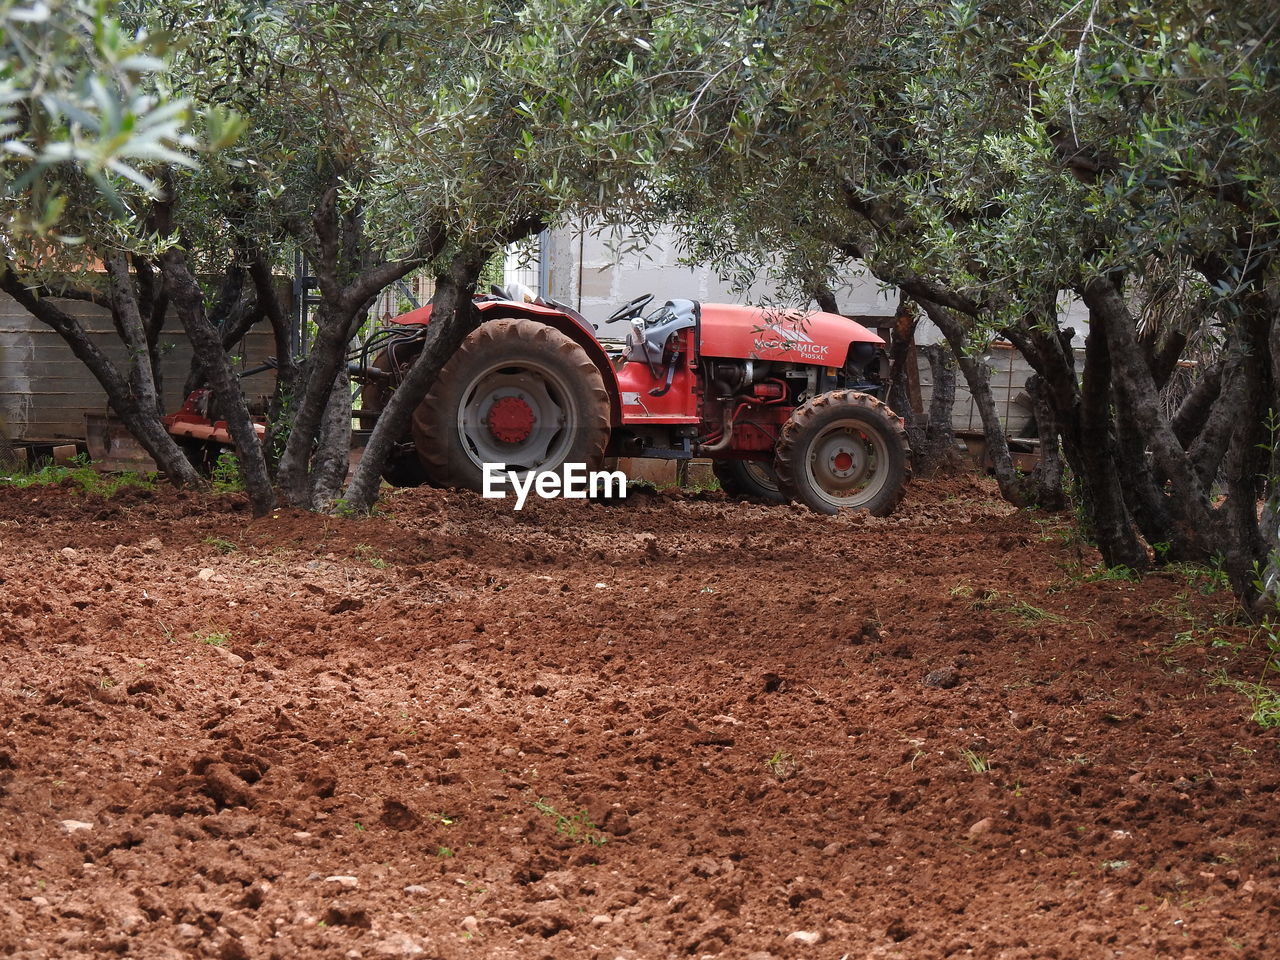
[784,403]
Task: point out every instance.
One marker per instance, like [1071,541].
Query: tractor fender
[572,328]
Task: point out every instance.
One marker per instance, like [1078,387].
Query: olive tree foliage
[383,139]
[87,121]
[447,131]
[75,102]
[550,109]
[324,91]
[985,157]
[377,138]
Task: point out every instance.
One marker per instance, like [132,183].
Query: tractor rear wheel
[844,449]
[748,478]
[516,392]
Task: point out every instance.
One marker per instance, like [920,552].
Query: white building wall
[588,272]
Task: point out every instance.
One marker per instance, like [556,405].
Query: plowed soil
[679,726]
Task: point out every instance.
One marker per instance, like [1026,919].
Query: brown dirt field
[795,736]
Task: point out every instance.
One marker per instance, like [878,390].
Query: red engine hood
[796,336]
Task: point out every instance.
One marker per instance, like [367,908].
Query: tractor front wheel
[748,478]
[519,393]
[844,449]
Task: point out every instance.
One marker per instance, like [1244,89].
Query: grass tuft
[577,826]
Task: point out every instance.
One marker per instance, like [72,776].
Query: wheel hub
[511,415]
[845,460]
[511,420]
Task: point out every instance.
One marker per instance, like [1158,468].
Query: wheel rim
[518,414]
[761,473]
[847,465]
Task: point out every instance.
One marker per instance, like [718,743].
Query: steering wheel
[631,308]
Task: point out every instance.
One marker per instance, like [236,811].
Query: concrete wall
[45,391]
[588,272]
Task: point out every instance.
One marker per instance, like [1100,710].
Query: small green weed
[1266,707]
[366,552]
[1263,696]
[1266,698]
[221,545]
[213,638]
[782,765]
[698,484]
[577,827]
[444,852]
[80,471]
[1208,579]
[1103,574]
[976,761]
[226,476]
[342,507]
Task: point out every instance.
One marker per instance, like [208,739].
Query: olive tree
[385,139]
[986,157]
[87,121]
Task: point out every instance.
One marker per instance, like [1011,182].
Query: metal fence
[523,264]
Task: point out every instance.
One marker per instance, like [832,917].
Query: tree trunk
[141,419]
[333,449]
[208,349]
[142,382]
[1046,479]
[1135,388]
[1269,598]
[1094,457]
[1194,410]
[451,320]
[316,380]
[823,296]
[1248,458]
[1142,493]
[978,378]
[938,445]
[1207,449]
[341,305]
[286,367]
[154,304]
[903,372]
[233,315]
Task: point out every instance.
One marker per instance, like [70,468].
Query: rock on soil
[944,678]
